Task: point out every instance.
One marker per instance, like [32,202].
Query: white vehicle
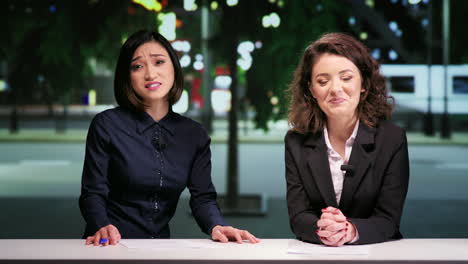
[411,86]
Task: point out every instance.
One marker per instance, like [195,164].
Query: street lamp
[429,118]
[445,128]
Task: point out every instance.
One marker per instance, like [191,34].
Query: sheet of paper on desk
[167,244]
[299,247]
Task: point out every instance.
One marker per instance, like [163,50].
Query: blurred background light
[398,33]
[3,85]
[183,104]
[185,60]
[214,5]
[266,21]
[363,35]
[92,97]
[232,2]
[376,54]
[181,45]
[393,26]
[274,100]
[190,5]
[221,100]
[151,5]
[198,65]
[244,63]
[275,19]
[280,3]
[167,28]
[392,55]
[424,22]
[223,81]
[271,20]
[244,49]
[258,44]
[370,3]
[414,2]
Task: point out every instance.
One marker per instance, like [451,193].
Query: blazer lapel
[362,156]
[317,159]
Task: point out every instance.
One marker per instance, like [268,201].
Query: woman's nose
[336,86]
[151,73]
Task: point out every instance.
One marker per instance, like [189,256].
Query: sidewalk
[274,136]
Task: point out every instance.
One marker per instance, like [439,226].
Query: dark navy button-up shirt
[135,170]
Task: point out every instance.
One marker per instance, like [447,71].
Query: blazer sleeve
[94,182]
[302,219]
[384,223]
[202,191]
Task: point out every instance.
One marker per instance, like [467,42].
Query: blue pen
[103,240]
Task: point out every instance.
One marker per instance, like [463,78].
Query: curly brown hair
[305,114]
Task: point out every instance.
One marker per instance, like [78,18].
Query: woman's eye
[347,78]
[322,83]
[135,67]
[159,62]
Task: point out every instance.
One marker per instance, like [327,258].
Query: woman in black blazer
[347,168]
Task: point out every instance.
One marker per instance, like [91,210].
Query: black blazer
[373,195]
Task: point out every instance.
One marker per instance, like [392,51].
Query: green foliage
[459,53]
[55,41]
[58,46]
[302,22]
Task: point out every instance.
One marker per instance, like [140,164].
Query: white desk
[267,251]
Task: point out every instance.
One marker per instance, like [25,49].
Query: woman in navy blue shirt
[141,155]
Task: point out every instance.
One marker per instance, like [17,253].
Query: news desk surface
[267,251]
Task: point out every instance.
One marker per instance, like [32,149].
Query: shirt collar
[144,121]
[349,141]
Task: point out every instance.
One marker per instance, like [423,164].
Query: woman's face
[152,72]
[336,85]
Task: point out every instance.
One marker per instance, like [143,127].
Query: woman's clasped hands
[334,229]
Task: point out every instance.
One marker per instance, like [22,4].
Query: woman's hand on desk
[109,233]
[225,233]
[334,229]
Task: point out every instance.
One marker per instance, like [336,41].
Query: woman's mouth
[337,100]
[152,85]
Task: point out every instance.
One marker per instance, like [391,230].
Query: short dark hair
[305,114]
[124,94]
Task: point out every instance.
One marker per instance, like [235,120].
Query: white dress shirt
[335,160]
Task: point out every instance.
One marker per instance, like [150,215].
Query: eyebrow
[341,72]
[151,55]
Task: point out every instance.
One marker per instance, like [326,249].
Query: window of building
[400,84]
[460,84]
